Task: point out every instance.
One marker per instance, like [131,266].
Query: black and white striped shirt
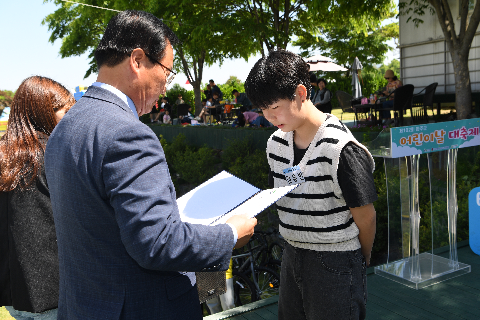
[315,216]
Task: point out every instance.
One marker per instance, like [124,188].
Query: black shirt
[216,89]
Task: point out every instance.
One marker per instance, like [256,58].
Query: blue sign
[474,219]
[434,137]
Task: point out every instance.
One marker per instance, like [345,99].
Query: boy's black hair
[277,77]
[234,91]
[204,100]
[323,80]
[166,99]
[132,29]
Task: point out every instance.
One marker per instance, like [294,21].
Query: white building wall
[424,55]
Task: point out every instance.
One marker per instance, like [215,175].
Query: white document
[223,196]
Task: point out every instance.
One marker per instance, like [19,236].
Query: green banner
[433,137]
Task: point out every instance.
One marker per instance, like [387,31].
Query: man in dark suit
[124,253]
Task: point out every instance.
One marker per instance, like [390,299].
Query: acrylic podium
[421,160]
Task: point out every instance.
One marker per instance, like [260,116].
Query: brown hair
[32,114]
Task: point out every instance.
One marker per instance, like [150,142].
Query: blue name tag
[293,175]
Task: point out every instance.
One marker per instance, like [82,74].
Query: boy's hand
[367,259]
[244,226]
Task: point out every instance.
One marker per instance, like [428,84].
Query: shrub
[247,163]
[189,164]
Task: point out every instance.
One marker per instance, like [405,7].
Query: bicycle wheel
[268,282]
[259,247]
[256,245]
[275,265]
[243,289]
[276,251]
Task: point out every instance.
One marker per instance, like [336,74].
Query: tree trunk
[195,81]
[197,90]
[463,90]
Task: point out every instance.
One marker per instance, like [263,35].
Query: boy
[328,221]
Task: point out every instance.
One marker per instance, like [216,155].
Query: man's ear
[137,58]
[301,92]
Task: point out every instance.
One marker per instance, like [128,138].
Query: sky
[26,51]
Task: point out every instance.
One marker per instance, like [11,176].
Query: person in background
[204,113]
[29,269]
[188,118]
[154,114]
[254,119]
[123,249]
[392,85]
[179,100]
[208,92]
[166,107]
[216,89]
[239,121]
[323,96]
[242,99]
[313,83]
[215,99]
[215,107]
[166,118]
[328,221]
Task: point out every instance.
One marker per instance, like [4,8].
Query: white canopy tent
[322,63]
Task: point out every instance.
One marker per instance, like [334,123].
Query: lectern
[402,149]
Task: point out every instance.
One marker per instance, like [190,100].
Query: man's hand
[244,226]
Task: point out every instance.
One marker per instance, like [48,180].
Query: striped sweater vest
[315,216]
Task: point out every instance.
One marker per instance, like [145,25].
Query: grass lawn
[407,116]
[4,315]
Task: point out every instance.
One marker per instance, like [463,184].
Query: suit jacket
[123,251]
[28,247]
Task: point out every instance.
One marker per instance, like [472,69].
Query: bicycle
[271,257]
[253,282]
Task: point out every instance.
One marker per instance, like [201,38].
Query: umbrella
[322,63]
[319,58]
[356,87]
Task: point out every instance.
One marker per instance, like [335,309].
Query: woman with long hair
[29,279]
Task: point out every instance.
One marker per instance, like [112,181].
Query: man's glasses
[170,76]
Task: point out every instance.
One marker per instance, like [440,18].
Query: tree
[208,37]
[212,31]
[233,83]
[394,65]
[205,33]
[6,99]
[343,44]
[458,40]
[274,23]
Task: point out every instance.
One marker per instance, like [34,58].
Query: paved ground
[457,298]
